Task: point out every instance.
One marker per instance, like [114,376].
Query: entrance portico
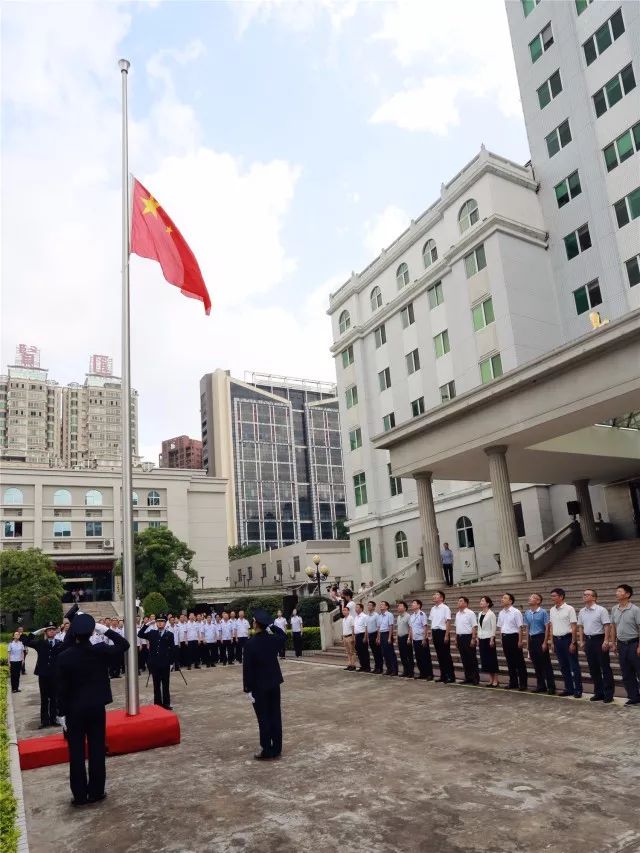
[545,422]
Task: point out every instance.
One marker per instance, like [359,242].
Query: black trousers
[226,652]
[515,660]
[362,651]
[443,653]
[47,686]
[541,663]
[240,644]
[215,652]
[406,655]
[630,666]
[267,708]
[447,571]
[376,651]
[468,657]
[90,725]
[297,643]
[209,655]
[423,658]
[143,657]
[388,653]
[599,666]
[193,650]
[184,653]
[176,657]
[15,669]
[160,676]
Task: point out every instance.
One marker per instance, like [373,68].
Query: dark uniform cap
[50,626]
[262,617]
[161,618]
[82,625]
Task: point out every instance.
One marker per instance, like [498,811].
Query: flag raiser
[155,236]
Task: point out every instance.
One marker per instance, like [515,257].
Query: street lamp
[202,577]
[318,573]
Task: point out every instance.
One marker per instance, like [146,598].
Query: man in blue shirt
[446,555]
[536,620]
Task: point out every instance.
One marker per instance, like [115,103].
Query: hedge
[310,640]
[8,831]
[250,603]
[308,609]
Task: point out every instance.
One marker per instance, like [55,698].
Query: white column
[510,557]
[587,521]
[429,529]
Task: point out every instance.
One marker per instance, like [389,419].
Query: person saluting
[262,678]
[161,652]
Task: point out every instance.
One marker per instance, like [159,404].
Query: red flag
[154,236]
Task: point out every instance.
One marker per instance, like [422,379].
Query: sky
[289,141]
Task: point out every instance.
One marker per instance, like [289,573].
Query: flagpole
[128,565]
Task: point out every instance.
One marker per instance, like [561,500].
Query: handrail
[480,578]
[550,540]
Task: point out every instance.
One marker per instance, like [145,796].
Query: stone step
[100,609]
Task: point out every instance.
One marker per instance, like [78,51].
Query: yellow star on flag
[169,229]
[151,206]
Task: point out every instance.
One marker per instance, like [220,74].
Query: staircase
[99,609]
[601,567]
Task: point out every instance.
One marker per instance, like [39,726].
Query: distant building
[181,452]
[277,441]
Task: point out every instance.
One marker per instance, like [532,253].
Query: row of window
[626,210]
[605,98]
[62,497]
[529,5]
[594,46]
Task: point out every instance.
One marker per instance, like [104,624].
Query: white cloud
[296,15]
[384,228]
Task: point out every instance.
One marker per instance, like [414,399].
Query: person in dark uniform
[161,655]
[83,690]
[262,678]
[47,649]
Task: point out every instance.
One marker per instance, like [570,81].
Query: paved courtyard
[370,764]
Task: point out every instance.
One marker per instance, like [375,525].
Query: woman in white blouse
[16,658]
[487,641]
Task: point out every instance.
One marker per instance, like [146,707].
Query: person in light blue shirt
[385,638]
[536,619]
[373,626]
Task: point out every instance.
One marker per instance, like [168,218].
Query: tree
[155,603]
[25,577]
[48,609]
[309,608]
[237,552]
[160,559]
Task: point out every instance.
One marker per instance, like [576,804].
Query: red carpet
[152,727]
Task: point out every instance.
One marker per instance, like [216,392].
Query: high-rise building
[578,66]
[277,441]
[181,452]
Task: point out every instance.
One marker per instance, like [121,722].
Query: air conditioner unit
[107,544]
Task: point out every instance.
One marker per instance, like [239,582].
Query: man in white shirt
[511,627]
[360,637]
[440,621]
[466,640]
[173,627]
[348,640]
[385,638]
[563,629]
[226,640]
[234,639]
[371,637]
[594,628]
[210,640]
[242,634]
[182,640]
[193,639]
[418,630]
[296,633]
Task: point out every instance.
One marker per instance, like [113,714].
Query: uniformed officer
[161,655]
[262,679]
[47,649]
[83,690]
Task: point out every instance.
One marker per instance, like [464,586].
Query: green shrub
[8,831]
[308,609]
[48,609]
[250,603]
[155,603]
[4,654]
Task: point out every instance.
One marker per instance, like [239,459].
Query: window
[347,356]
[344,322]
[581,5]
[417,407]
[603,37]
[153,499]
[578,241]
[380,336]
[279,567]
[355,438]
[13,529]
[407,315]
[464,532]
[93,498]
[62,528]
[395,483]
[413,361]
[429,253]
[384,379]
[62,497]
[558,138]
[351,395]
[622,148]
[447,391]
[528,6]
[376,298]
[541,43]
[364,546]
[402,276]
[250,569]
[517,511]
[490,368]
[296,564]
[587,297]
[441,344]
[628,208]
[614,90]
[402,546]
[134,499]
[468,215]
[263,570]
[13,497]
[388,422]
[482,314]
[154,525]
[435,295]
[475,261]
[360,489]
[93,528]
[633,270]
[549,90]
[568,189]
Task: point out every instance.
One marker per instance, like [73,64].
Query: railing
[402,574]
[551,550]
[479,579]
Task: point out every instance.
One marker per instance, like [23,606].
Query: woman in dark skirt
[487,641]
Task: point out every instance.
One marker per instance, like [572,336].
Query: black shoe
[577,694]
[75,802]
[449,681]
[197,666]
[630,702]
[523,689]
[565,693]
[97,799]
[552,691]
[261,756]
[168,707]
[595,698]
[538,690]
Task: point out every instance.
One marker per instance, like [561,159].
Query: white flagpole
[128,565]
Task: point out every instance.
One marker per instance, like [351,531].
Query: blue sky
[289,141]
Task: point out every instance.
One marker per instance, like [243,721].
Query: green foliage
[48,609]
[250,603]
[8,831]
[155,603]
[26,576]
[237,552]
[4,653]
[159,557]
[310,639]
[308,609]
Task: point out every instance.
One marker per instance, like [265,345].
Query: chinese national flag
[154,236]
